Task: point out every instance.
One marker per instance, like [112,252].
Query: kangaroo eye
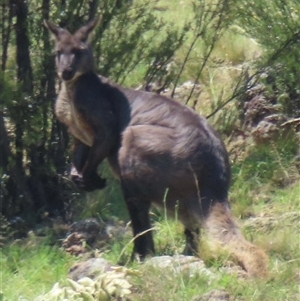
[56,53]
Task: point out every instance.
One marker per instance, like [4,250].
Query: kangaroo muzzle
[66,68]
[67,74]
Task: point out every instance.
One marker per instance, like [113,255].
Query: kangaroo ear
[84,33]
[55,30]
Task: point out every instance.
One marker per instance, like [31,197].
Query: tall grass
[30,269]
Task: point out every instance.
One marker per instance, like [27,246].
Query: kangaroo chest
[67,113]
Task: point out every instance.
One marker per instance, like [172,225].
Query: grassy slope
[265,195]
[31,268]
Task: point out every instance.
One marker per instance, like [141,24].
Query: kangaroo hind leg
[192,242]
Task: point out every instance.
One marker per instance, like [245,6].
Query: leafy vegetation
[275,26]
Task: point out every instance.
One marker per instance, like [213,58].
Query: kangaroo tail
[221,228]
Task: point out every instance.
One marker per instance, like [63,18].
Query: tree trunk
[6,24]
[22,41]
[4,145]
[22,195]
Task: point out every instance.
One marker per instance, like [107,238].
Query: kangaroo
[162,152]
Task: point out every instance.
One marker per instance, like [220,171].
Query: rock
[91,268]
[257,104]
[264,131]
[87,234]
[89,228]
[262,114]
[179,264]
[214,295]
[117,229]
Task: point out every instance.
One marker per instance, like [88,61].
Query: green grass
[281,241]
[263,170]
[28,270]
[184,288]
[31,267]
[104,203]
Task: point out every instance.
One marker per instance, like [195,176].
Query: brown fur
[222,229]
[67,114]
[162,152]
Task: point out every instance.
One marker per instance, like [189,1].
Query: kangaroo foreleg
[80,158]
[80,155]
[101,148]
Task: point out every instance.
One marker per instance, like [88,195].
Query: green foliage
[132,40]
[263,161]
[106,203]
[38,146]
[17,272]
[266,167]
[275,26]
[126,47]
[168,237]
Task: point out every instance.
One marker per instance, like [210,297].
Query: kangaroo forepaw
[94,182]
[90,183]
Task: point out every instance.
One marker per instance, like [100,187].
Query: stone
[180,264]
[91,268]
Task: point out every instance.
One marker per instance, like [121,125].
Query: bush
[275,25]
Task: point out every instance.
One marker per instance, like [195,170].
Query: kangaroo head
[73,53]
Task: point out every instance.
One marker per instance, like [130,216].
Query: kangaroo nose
[67,74]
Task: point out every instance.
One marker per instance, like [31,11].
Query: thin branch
[238,90]
[184,62]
